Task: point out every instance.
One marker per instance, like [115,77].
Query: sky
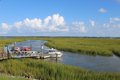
[92,18]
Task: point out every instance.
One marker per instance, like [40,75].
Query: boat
[54,53]
[26,48]
[17,49]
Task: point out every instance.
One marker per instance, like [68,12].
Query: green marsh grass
[91,46]
[40,69]
[43,70]
[9,77]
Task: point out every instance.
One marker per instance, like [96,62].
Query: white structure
[54,53]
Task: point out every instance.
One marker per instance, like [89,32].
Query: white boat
[54,53]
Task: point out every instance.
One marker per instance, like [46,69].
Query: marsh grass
[40,69]
[9,77]
[91,46]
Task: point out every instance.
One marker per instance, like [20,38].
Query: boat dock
[29,52]
[43,56]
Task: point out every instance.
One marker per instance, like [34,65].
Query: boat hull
[53,55]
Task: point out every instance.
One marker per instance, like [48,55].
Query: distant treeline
[57,37]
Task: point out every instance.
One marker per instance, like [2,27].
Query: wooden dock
[25,54]
[41,56]
[30,54]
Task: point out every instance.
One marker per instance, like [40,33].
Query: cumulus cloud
[113,23]
[115,19]
[92,22]
[79,26]
[54,23]
[102,10]
[4,28]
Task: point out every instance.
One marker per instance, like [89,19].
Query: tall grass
[8,77]
[54,71]
[51,71]
[9,41]
[91,46]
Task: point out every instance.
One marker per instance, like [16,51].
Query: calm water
[95,63]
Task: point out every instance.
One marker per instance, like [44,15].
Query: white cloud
[4,28]
[54,23]
[102,10]
[92,22]
[113,23]
[46,20]
[115,19]
[79,26]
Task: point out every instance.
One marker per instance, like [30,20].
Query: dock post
[42,53]
[8,53]
[56,57]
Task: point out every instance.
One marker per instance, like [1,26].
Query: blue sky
[60,18]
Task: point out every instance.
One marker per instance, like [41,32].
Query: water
[94,63]
[35,44]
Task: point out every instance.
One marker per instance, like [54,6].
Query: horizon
[62,36]
[74,18]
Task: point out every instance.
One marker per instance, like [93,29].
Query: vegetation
[8,77]
[51,71]
[54,71]
[4,42]
[91,46]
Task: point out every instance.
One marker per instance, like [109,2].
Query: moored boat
[54,53]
